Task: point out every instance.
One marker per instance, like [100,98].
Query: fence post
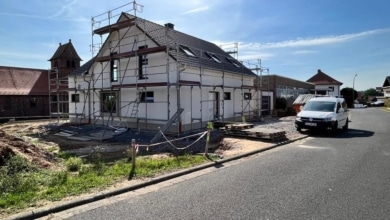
[133,153]
[209,128]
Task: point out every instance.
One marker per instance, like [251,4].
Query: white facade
[166,85]
[386,91]
[331,90]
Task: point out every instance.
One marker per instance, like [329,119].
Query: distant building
[284,87]
[23,92]
[386,87]
[324,84]
[64,61]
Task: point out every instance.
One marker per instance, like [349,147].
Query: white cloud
[196,10]
[313,41]
[304,51]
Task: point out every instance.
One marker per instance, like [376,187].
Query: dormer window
[230,60]
[187,51]
[213,57]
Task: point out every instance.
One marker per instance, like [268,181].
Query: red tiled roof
[323,79]
[23,81]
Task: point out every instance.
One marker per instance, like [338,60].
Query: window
[187,51]
[331,88]
[68,63]
[33,102]
[7,103]
[230,60]
[142,63]
[227,96]
[114,70]
[247,96]
[73,64]
[108,101]
[147,97]
[75,98]
[213,57]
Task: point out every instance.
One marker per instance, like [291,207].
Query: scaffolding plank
[131,53]
[114,27]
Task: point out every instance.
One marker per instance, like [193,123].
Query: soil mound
[11,146]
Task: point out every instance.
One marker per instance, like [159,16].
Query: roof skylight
[214,57]
[187,51]
[232,62]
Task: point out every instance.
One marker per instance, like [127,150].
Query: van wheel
[335,127]
[299,129]
[345,127]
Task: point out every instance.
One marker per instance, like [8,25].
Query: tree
[347,94]
[370,92]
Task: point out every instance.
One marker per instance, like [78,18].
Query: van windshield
[319,106]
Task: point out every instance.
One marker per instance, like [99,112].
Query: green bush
[387,103]
[74,164]
[18,164]
[58,178]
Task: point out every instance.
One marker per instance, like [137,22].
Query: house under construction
[149,76]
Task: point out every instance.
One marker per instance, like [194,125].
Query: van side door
[341,114]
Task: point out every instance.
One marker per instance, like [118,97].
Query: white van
[323,113]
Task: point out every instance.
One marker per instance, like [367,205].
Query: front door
[213,105]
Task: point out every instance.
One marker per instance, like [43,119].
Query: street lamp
[353,91]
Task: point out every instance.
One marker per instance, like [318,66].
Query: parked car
[378,103]
[323,113]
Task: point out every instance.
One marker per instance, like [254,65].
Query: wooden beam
[115,27]
[131,53]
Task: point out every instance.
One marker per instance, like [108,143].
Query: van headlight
[328,119]
[298,118]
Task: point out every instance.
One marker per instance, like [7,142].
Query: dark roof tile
[64,50]
[323,79]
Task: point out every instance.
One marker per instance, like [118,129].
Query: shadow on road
[350,133]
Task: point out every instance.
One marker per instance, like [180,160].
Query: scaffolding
[121,98]
[58,94]
[263,103]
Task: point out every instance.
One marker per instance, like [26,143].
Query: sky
[347,39]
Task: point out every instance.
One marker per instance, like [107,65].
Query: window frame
[230,60]
[143,61]
[75,98]
[247,96]
[213,57]
[147,97]
[187,51]
[114,69]
[227,96]
[104,102]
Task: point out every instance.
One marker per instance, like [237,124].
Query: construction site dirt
[39,141]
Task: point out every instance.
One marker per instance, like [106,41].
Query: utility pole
[353,91]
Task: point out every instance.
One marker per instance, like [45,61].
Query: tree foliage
[349,95]
[370,92]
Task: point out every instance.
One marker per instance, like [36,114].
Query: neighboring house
[23,92]
[147,75]
[284,87]
[324,84]
[386,88]
[64,61]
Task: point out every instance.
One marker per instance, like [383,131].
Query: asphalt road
[342,176]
